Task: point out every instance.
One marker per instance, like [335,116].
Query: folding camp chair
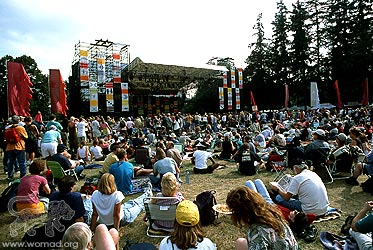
[58,172]
[162,212]
[319,157]
[180,147]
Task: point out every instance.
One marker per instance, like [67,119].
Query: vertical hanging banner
[150,107]
[19,90]
[167,104]
[336,87]
[83,63]
[116,68]
[286,96]
[225,80]
[365,98]
[221,98]
[93,97]
[230,99]
[125,97]
[176,106]
[315,100]
[233,77]
[140,105]
[238,99]
[109,97]
[100,67]
[240,78]
[57,92]
[157,104]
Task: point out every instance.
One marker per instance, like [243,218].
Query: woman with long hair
[187,232]
[267,228]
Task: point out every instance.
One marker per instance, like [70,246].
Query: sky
[175,32]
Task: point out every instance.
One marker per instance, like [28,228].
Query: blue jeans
[292,204]
[132,209]
[79,169]
[259,187]
[20,157]
[364,241]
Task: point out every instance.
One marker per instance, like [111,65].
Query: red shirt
[28,189]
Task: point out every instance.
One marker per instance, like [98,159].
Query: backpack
[7,194]
[205,201]
[11,135]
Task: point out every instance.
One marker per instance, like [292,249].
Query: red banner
[19,90]
[57,92]
[365,99]
[286,96]
[252,99]
[336,87]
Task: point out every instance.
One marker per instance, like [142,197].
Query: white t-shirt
[201,158]
[311,192]
[206,244]
[95,125]
[105,206]
[96,151]
[81,128]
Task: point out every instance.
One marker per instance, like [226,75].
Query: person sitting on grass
[199,160]
[267,228]
[124,172]
[362,226]
[111,158]
[170,188]
[162,165]
[107,204]
[96,151]
[27,198]
[187,232]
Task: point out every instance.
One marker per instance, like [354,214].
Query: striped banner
[225,80]
[230,99]
[125,97]
[233,77]
[93,97]
[221,98]
[100,67]
[176,106]
[150,107]
[83,63]
[116,68]
[240,78]
[238,100]
[109,97]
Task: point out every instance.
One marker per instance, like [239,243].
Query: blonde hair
[106,185]
[169,184]
[78,236]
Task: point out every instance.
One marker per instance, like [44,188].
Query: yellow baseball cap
[187,213]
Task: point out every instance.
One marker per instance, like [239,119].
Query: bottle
[187,177]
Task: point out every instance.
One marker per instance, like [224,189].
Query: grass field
[346,198]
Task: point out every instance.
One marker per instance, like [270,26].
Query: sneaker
[352,181]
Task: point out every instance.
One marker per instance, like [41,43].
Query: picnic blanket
[331,214]
[139,185]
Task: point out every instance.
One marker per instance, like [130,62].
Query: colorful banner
[57,92]
[83,63]
[233,77]
[125,97]
[100,67]
[240,78]
[221,98]
[109,97]
[19,90]
[116,68]
[225,80]
[230,105]
[93,97]
[336,87]
[238,99]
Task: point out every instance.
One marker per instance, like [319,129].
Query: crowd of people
[315,144]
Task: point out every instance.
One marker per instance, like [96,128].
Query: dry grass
[346,198]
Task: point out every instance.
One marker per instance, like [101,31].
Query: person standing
[81,130]
[32,140]
[15,147]
[50,141]
[54,122]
